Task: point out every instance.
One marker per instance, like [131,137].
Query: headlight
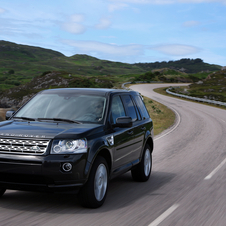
[69,146]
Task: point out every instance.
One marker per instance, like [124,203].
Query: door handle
[143,128]
[130,132]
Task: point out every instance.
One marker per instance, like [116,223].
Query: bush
[46,72]
[3,78]
[11,72]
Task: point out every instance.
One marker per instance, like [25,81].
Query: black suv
[76,139]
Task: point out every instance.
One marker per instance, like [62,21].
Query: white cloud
[191,23]
[20,28]
[167,1]
[74,25]
[2,10]
[104,24]
[77,18]
[132,50]
[176,50]
[89,47]
[74,28]
[116,6]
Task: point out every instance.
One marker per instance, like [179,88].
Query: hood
[49,130]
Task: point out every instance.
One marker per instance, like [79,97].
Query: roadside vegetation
[213,87]
[162,116]
[163,92]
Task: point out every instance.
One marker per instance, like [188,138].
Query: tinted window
[130,109]
[142,107]
[117,109]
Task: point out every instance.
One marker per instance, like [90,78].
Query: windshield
[83,108]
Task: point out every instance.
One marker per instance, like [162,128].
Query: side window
[117,109]
[130,109]
[142,107]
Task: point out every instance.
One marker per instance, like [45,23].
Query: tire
[93,193]
[2,191]
[142,171]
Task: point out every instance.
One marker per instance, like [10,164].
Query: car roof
[90,91]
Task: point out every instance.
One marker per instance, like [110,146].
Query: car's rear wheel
[93,193]
[143,169]
[2,191]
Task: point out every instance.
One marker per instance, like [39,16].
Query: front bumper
[42,173]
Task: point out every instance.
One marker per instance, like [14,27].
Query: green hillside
[13,51]
[212,88]
[18,95]
[21,63]
[25,70]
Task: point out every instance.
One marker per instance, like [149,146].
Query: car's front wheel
[94,192]
[143,169]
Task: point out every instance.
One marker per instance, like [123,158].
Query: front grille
[23,146]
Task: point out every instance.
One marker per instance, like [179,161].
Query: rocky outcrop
[20,95]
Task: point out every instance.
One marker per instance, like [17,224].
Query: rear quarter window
[141,106]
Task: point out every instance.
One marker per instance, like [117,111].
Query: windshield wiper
[25,118]
[60,119]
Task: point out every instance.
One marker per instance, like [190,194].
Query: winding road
[187,186]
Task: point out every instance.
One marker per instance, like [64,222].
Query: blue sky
[129,31]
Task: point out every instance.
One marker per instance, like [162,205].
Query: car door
[138,129]
[121,138]
[126,140]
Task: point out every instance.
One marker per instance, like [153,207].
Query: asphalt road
[187,185]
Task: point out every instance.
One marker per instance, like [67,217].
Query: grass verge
[162,116]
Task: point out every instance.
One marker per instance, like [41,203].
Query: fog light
[67,167]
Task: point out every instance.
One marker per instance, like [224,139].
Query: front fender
[95,147]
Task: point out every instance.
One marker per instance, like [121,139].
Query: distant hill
[19,64]
[29,61]
[13,51]
[25,62]
[184,65]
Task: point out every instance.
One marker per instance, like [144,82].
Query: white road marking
[215,170]
[173,128]
[163,216]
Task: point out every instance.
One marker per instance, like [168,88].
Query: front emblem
[35,148]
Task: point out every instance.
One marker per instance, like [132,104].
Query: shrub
[11,72]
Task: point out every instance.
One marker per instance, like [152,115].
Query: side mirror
[124,122]
[9,114]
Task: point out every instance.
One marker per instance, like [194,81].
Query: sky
[129,31]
